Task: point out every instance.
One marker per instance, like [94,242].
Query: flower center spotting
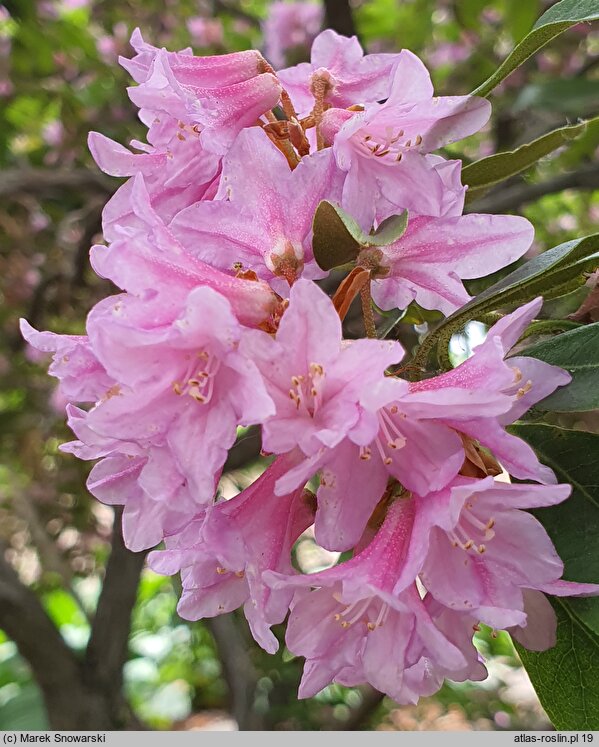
[306,389]
[198,380]
[393,144]
[389,438]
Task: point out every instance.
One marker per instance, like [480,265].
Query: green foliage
[550,274]
[21,705]
[565,677]
[481,175]
[552,23]
[577,351]
[569,97]
[338,239]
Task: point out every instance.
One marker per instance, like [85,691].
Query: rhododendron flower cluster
[223,322]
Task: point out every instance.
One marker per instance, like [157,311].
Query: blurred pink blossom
[288,27]
[448,53]
[205,32]
[53,133]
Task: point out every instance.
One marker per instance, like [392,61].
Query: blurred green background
[59,78]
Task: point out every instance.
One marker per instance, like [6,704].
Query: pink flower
[383,148]
[353,628]
[412,432]
[349,76]
[223,554]
[179,382]
[142,477]
[429,261]
[523,380]
[177,172]
[222,93]
[314,378]
[262,216]
[289,28]
[475,550]
[82,376]
[147,261]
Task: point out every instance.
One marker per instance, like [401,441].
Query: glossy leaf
[565,677]
[552,23]
[577,351]
[494,169]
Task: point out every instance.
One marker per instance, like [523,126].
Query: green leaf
[520,16]
[390,230]
[566,676]
[552,23]
[337,236]
[338,239]
[488,171]
[550,274]
[577,351]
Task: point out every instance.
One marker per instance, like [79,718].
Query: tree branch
[106,651]
[54,665]
[504,199]
[238,670]
[50,183]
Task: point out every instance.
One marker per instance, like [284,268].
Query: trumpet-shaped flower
[262,216]
[314,378]
[180,382]
[347,75]
[223,554]
[149,262]
[414,432]
[220,94]
[353,628]
[383,148]
[428,263]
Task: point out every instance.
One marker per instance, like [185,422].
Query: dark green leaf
[552,23]
[488,171]
[578,352]
[337,236]
[520,16]
[566,676]
[550,274]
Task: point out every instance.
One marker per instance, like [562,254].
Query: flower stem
[367,312]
